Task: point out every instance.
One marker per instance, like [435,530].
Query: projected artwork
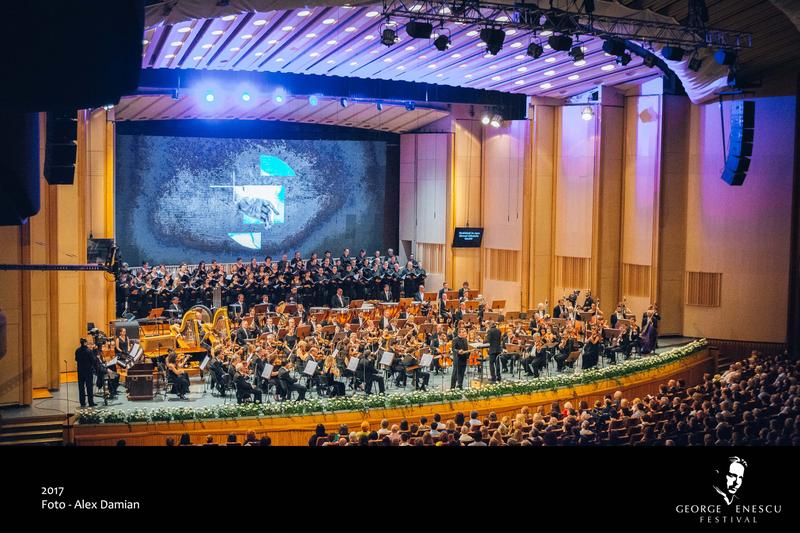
[187,199]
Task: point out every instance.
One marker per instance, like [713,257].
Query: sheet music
[266,372]
[335,353]
[426,360]
[310,368]
[112,362]
[352,365]
[203,365]
[387,358]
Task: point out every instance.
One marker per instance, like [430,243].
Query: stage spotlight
[388,36]
[494,39]
[108,107]
[649,60]
[576,53]
[344,102]
[410,106]
[496,121]
[615,47]
[587,113]
[485,119]
[209,96]
[313,100]
[725,57]
[624,59]
[560,43]
[442,43]
[695,63]
[535,50]
[278,97]
[419,30]
[672,53]
[379,106]
[245,96]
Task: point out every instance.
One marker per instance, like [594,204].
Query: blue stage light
[279,96]
[411,106]
[245,96]
[209,97]
[344,102]
[313,100]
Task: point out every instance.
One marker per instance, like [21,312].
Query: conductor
[460,358]
[85,359]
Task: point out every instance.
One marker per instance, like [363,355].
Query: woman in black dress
[178,376]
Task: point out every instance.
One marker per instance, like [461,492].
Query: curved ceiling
[329,39]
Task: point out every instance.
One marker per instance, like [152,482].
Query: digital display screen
[467,237]
[199,198]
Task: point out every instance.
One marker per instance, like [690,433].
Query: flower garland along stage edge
[382,401]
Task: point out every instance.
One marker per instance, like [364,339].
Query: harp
[190,331]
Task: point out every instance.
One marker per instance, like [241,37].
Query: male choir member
[419,296]
[386,295]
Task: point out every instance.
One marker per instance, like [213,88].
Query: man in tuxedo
[460,359]
[444,314]
[419,296]
[458,316]
[386,322]
[371,374]
[175,311]
[244,388]
[337,302]
[86,361]
[587,303]
[462,292]
[560,311]
[241,334]
[443,290]
[386,295]
[240,307]
[495,348]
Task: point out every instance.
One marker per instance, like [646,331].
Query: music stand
[355,304]
[303,332]
[498,304]
[431,296]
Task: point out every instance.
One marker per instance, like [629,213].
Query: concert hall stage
[288,423]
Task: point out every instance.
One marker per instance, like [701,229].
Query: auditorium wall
[743,233]
[48,311]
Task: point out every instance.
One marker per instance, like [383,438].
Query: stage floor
[65,400]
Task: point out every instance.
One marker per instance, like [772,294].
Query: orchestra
[425,334]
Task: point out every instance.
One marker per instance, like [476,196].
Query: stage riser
[296,430]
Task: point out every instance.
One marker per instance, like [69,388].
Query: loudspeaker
[61,147]
[19,167]
[743,119]
[419,30]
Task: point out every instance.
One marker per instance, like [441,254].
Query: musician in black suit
[86,360]
[243,387]
[419,296]
[386,322]
[560,311]
[495,348]
[337,301]
[386,295]
[443,290]
[371,374]
[241,334]
[587,303]
[463,290]
[175,311]
[240,308]
[460,359]
[444,314]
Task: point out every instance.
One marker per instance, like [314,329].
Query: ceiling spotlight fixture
[560,43]
[588,113]
[245,96]
[442,43]
[278,97]
[313,100]
[209,96]
[496,121]
[419,30]
[485,119]
[624,59]
[108,107]
[493,38]
[649,60]
[694,63]
[388,36]
[411,106]
[615,47]
[344,102]
[672,53]
[379,106]
[535,50]
[576,53]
